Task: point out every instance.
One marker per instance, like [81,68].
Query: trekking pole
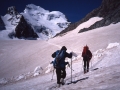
[91,64]
[82,69]
[70,67]
[71,70]
[52,74]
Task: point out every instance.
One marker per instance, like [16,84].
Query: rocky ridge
[109,10]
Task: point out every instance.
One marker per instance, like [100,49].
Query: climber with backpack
[87,55]
[60,64]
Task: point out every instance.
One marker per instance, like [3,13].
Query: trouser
[61,73]
[86,64]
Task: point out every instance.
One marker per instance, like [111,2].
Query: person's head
[85,48]
[63,48]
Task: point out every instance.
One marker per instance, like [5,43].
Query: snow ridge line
[69,50]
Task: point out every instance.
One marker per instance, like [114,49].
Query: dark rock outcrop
[12,11]
[109,10]
[72,26]
[69,28]
[2,25]
[23,29]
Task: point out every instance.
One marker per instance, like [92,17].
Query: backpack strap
[58,54]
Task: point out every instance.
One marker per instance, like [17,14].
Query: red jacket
[86,54]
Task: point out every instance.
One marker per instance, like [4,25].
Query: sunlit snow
[26,64]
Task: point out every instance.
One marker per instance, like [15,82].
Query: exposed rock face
[23,29]
[2,26]
[45,23]
[34,22]
[69,28]
[74,25]
[12,11]
[109,10]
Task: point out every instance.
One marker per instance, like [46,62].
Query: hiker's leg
[84,63]
[84,66]
[87,65]
[63,73]
[58,74]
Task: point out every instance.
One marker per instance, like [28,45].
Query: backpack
[58,59]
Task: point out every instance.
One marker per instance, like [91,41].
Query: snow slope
[26,58]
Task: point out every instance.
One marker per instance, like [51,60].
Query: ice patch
[20,77]
[3,81]
[38,70]
[99,53]
[111,45]
[49,68]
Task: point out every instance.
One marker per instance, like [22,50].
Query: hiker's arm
[69,55]
[90,54]
[54,54]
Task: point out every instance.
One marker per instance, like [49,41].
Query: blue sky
[74,10]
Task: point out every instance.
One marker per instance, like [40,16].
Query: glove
[71,54]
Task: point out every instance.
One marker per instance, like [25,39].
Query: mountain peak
[46,24]
[34,21]
[31,7]
[12,10]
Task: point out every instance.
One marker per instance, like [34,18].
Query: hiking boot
[87,70]
[62,81]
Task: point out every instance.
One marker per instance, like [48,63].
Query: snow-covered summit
[12,18]
[10,21]
[45,23]
[31,7]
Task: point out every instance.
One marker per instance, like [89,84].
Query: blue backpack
[58,61]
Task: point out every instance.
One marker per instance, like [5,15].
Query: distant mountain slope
[109,10]
[46,24]
[34,22]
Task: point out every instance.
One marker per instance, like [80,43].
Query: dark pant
[86,64]
[61,73]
